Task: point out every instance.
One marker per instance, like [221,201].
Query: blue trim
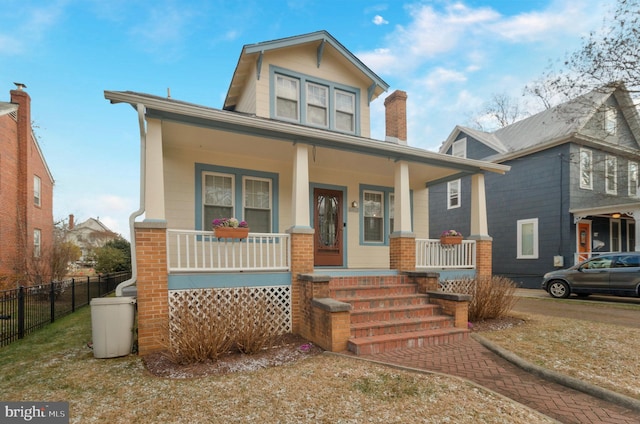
[228,280]
[345,227]
[237,173]
[331,86]
[386,192]
[455,274]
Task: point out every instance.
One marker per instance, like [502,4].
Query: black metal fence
[24,310]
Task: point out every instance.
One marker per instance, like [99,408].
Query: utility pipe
[140,211]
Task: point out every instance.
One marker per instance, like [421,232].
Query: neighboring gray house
[572,190]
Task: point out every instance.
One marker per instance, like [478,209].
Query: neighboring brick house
[26,195]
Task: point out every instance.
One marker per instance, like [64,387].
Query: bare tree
[606,57]
[499,111]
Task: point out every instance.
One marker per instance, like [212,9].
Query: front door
[584,240]
[328,225]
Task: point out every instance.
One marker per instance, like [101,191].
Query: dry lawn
[601,354]
[299,386]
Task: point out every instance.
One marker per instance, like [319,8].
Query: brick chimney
[23,100]
[396,117]
[71,222]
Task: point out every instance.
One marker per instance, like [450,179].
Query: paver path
[474,362]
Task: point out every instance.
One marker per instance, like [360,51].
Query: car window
[599,262]
[628,261]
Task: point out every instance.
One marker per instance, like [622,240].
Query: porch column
[480,228]
[154,178]
[152,284]
[402,243]
[301,236]
[636,217]
[300,184]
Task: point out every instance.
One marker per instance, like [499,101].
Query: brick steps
[388,314]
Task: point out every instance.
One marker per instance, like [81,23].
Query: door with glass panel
[328,225]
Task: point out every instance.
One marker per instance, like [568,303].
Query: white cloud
[23,27]
[379,20]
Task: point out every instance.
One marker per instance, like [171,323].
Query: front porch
[278,268]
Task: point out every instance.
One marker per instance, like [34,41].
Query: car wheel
[559,289]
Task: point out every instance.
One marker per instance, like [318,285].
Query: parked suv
[617,274]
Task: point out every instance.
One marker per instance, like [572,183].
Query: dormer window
[459,148]
[317,105]
[314,102]
[345,111]
[287,98]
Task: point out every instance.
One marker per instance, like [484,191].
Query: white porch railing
[431,253]
[201,251]
[583,256]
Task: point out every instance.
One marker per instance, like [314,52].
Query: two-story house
[26,196]
[88,236]
[291,153]
[572,190]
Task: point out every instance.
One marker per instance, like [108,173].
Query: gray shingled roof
[557,123]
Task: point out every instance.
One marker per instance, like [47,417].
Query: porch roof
[630,209]
[181,112]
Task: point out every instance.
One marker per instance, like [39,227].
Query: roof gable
[573,119]
[250,62]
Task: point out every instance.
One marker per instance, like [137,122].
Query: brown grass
[492,297]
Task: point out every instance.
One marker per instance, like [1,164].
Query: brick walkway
[472,361]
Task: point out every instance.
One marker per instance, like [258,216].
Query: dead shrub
[200,335]
[491,297]
[252,331]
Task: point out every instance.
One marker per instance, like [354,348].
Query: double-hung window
[373,216]
[314,101]
[37,243]
[610,121]
[287,98]
[218,197]
[611,173]
[586,169]
[345,111]
[224,192]
[257,204]
[633,179]
[37,190]
[459,148]
[527,238]
[453,194]
[317,105]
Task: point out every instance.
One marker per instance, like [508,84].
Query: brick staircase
[389,314]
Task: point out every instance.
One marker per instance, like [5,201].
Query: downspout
[140,211]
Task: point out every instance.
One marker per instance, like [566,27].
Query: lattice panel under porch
[466,286]
[246,299]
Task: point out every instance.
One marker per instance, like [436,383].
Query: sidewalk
[473,361]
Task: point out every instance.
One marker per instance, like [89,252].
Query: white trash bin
[112,325]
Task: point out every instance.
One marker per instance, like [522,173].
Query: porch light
[354,204]
[615,215]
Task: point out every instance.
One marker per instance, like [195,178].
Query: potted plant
[230,228]
[451,237]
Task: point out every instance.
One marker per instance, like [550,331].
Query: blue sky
[449,56]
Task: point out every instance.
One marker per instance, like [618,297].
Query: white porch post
[300,187]
[154,178]
[636,217]
[479,226]
[402,206]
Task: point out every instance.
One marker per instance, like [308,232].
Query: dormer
[310,80]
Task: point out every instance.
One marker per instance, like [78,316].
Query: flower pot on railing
[450,239]
[231,232]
